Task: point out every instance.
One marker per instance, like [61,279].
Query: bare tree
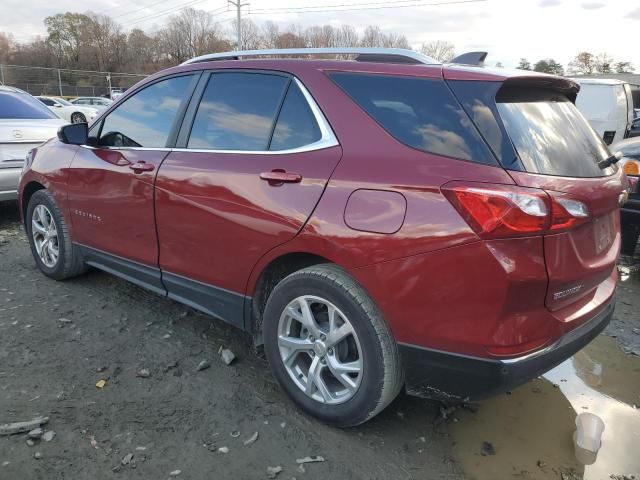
[439,50]
[583,64]
[346,36]
[6,47]
[603,63]
[251,35]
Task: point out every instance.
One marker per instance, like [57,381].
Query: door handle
[278,177]
[141,166]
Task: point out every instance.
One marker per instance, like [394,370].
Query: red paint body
[211,218]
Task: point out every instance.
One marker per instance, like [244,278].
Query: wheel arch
[27,192]
[269,276]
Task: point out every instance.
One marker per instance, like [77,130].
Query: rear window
[549,133]
[21,105]
[419,112]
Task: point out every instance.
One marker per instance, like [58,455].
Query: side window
[419,112]
[237,111]
[47,102]
[296,124]
[146,118]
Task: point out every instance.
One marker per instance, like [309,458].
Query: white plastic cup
[589,428]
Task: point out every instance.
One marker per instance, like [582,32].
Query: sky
[507,29]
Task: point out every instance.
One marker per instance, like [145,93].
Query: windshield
[22,105]
[550,135]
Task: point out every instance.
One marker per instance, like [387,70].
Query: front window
[146,118]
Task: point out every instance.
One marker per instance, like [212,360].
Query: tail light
[498,211]
[631,167]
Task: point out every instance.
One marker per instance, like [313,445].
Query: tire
[372,345]
[630,235]
[78,117]
[68,262]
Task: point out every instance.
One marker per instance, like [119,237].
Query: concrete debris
[223,449]
[30,443]
[235,434]
[20,427]
[203,365]
[48,435]
[301,469]
[65,320]
[175,473]
[37,455]
[127,459]
[251,439]
[227,356]
[143,373]
[35,434]
[314,459]
[272,472]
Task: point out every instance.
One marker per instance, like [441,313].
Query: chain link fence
[65,82]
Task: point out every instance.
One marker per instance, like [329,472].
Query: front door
[256,156]
[111,183]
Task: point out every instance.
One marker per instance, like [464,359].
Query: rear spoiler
[562,85]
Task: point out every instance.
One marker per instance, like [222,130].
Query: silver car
[25,123]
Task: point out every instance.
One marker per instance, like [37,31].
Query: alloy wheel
[45,236]
[320,350]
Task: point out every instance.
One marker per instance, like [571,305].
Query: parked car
[116,93]
[24,124]
[608,105]
[68,111]
[376,223]
[95,102]
[634,131]
[630,163]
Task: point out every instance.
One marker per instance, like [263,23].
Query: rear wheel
[329,346]
[49,238]
[78,117]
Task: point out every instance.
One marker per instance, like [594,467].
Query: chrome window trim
[327,137]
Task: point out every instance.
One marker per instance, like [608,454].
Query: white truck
[607,105]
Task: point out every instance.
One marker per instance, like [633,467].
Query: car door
[111,180]
[252,160]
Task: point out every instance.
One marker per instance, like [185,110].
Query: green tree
[549,65]
[524,64]
[583,63]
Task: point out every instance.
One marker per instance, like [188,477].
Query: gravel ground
[177,418]
[58,339]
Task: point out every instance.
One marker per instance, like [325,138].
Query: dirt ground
[178,418]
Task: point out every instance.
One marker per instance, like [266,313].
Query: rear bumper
[9,178]
[454,378]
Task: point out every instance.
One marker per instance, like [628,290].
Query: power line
[238,4]
[169,11]
[357,7]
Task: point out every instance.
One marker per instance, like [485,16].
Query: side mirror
[74,134]
[57,105]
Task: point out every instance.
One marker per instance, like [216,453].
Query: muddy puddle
[532,429]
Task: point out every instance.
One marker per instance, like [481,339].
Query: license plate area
[602,233]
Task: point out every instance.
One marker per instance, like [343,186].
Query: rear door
[256,154]
[560,152]
[545,142]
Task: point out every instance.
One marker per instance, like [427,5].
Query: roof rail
[391,55]
[470,58]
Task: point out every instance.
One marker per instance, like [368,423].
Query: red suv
[376,222]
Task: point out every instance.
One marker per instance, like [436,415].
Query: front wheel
[329,346]
[49,238]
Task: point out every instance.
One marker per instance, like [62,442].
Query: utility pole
[238,5]
[109,83]
[59,82]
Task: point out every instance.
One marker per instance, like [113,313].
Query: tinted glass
[550,135]
[479,101]
[419,112]
[47,101]
[146,118]
[296,124]
[21,105]
[237,111]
